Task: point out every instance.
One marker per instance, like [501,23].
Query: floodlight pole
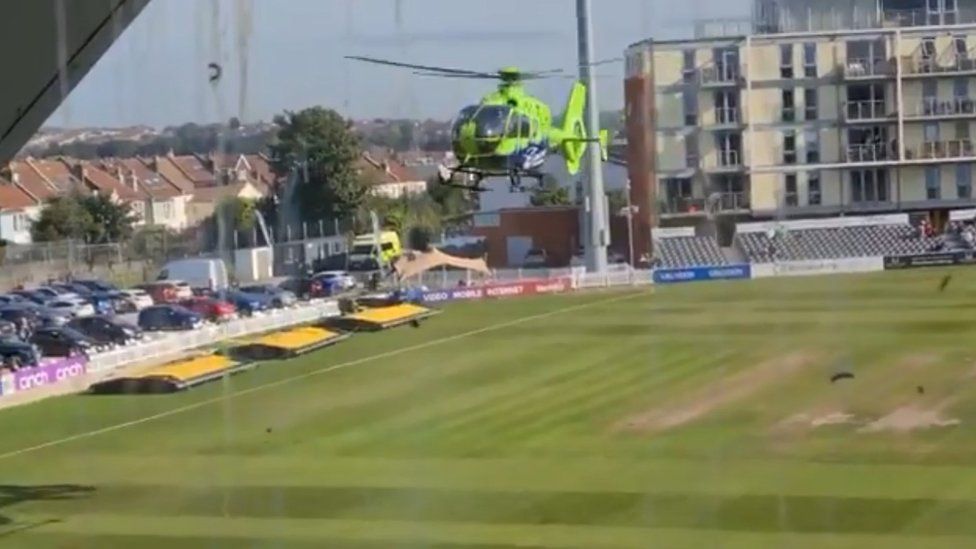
[596,244]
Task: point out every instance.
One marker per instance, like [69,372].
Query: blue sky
[156,73]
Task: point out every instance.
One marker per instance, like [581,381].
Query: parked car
[71,287]
[55,292]
[169,317]
[63,341]
[333,282]
[247,304]
[8,329]
[140,299]
[34,296]
[106,331]
[76,306]
[96,285]
[11,299]
[24,317]
[168,291]
[280,298]
[211,308]
[17,354]
[198,273]
[304,287]
[110,303]
[536,258]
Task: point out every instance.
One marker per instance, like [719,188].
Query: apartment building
[821,108]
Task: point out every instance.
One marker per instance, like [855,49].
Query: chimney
[134,181]
[15,178]
[119,175]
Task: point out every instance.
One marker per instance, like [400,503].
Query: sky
[288,54]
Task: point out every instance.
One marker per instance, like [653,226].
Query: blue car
[168,318]
[247,303]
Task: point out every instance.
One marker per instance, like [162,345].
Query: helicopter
[510,133]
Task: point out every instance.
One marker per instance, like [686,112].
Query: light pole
[596,244]
[630,227]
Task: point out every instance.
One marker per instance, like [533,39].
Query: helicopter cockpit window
[492,120]
[520,126]
[463,117]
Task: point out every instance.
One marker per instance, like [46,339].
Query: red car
[214,310]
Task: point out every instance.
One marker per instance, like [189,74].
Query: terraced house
[809,109]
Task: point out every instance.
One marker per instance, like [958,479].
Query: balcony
[866,110]
[906,18]
[941,150]
[931,107]
[727,116]
[868,69]
[720,75]
[719,202]
[867,152]
[917,65]
[727,160]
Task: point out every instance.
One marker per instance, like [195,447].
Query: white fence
[161,347]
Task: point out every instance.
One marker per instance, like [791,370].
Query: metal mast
[596,244]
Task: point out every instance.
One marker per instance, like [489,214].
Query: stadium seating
[835,242]
[675,252]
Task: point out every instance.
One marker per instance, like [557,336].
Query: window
[691,151]
[960,47]
[810,60]
[690,102]
[960,90]
[869,186]
[520,127]
[962,130]
[811,139]
[810,103]
[167,209]
[814,194]
[928,47]
[789,107]
[789,147]
[933,184]
[930,132]
[688,72]
[786,61]
[491,121]
[790,187]
[964,180]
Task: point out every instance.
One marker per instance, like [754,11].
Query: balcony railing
[729,159]
[716,202]
[724,75]
[932,106]
[867,68]
[916,64]
[867,152]
[726,115]
[865,110]
[905,18]
[954,148]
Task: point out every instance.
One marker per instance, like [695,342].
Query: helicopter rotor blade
[442,70]
[485,76]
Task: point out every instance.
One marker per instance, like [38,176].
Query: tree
[617,200]
[322,140]
[452,201]
[92,218]
[111,221]
[63,218]
[550,193]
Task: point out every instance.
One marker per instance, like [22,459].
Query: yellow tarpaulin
[412,263]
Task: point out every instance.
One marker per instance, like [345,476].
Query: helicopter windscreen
[491,121]
[463,117]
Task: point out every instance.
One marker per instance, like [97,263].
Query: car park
[169,317]
[108,331]
[7,329]
[63,341]
[24,317]
[167,291]
[280,298]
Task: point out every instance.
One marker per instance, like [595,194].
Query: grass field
[697,416]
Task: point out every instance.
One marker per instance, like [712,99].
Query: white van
[198,273]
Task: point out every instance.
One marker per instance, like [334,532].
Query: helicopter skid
[446,177]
